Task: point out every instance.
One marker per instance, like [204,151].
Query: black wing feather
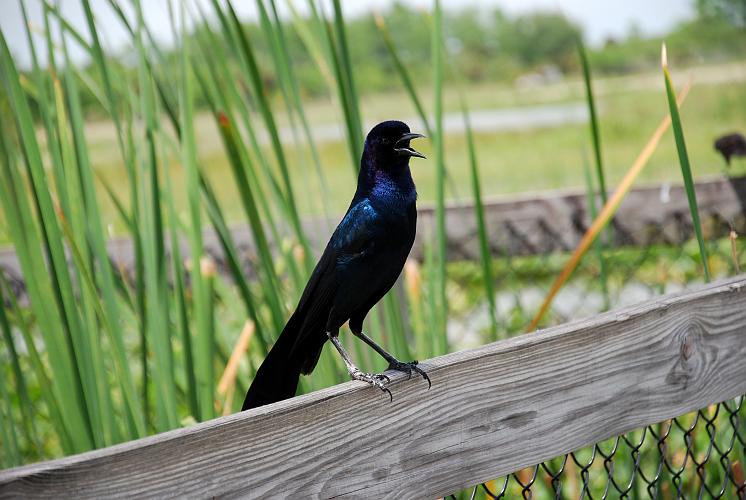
[354,235]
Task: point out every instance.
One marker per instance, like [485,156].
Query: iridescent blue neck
[396,190]
[386,181]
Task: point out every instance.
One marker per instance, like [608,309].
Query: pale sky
[599,19]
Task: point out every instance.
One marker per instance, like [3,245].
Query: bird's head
[388,145]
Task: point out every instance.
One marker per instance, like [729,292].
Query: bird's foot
[374,379]
[408,368]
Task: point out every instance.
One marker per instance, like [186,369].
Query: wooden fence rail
[491,411]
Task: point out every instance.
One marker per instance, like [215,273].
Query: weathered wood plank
[491,411]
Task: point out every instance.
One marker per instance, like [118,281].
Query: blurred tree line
[732,10]
[496,47]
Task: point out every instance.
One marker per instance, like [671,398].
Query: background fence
[537,224]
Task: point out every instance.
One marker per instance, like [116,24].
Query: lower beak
[406,150]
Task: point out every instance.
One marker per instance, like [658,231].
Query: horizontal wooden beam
[491,411]
[542,223]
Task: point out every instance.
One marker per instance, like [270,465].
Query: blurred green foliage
[489,45]
[732,11]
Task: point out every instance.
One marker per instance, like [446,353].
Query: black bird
[361,262]
[731,145]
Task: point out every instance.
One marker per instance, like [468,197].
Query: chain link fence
[699,455]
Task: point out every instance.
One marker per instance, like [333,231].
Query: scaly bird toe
[408,368]
[374,379]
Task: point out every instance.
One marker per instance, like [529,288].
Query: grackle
[361,262]
[731,145]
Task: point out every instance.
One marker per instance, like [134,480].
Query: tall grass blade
[606,213]
[201,296]
[271,283]
[103,67]
[47,396]
[73,224]
[123,125]
[686,169]
[432,316]
[44,288]
[354,134]
[165,97]
[223,98]
[231,255]
[348,79]
[255,80]
[10,455]
[596,141]
[594,128]
[227,382]
[485,256]
[26,408]
[156,285]
[251,200]
[401,69]
[590,197]
[106,282]
[182,314]
[78,319]
[440,174]
[407,81]
[291,90]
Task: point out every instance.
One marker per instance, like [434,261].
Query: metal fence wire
[699,455]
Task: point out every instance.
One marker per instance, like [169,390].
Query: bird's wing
[357,232]
[354,236]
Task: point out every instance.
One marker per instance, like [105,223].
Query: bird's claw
[408,368]
[374,379]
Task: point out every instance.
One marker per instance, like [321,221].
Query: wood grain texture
[491,411]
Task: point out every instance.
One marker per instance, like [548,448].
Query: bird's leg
[355,372]
[394,364]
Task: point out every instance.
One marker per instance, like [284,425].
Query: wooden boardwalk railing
[490,411]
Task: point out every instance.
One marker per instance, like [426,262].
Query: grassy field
[511,161]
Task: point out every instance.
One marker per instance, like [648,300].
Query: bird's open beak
[405,150]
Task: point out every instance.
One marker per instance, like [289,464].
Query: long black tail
[277,377]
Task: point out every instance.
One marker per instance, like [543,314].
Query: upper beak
[406,150]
